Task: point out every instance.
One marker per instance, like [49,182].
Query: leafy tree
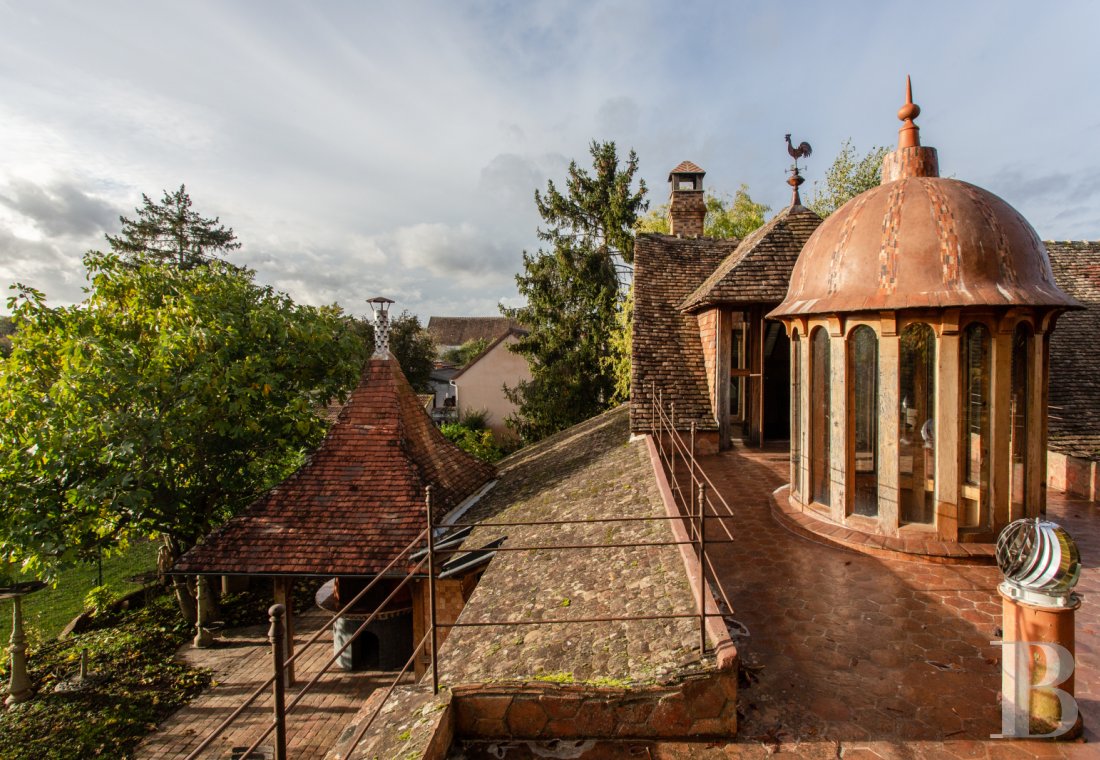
[7,327]
[727,217]
[849,175]
[622,344]
[410,344]
[170,232]
[573,291]
[159,406]
[467,352]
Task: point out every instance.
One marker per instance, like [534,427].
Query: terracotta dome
[920,240]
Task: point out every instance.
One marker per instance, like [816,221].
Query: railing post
[431,590]
[701,527]
[275,636]
[691,472]
[672,460]
[661,423]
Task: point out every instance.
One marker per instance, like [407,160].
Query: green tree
[467,352]
[727,217]
[162,404]
[573,290]
[849,175]
[7,327]
[170,232]
[410,344]
[622,345]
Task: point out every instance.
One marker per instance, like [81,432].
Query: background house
[480,384]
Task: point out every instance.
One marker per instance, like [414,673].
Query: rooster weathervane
[802,151]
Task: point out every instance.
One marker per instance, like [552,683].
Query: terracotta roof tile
[1074,381]
[454,331]
[687,167]
[666,347]
[358,500]
[759,270]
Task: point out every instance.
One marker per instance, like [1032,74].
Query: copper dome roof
[921,240]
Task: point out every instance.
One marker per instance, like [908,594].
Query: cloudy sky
[364,148]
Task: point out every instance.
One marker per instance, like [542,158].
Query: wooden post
[203,637]
[284,596]
[275,635]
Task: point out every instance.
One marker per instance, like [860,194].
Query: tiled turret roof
[358,500]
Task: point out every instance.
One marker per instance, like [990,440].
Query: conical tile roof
[358,500]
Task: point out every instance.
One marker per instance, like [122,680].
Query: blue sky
[366,148]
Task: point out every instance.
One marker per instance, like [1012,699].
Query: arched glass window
[863,374]
[916,424]
[796,414]
[974,510]
[1021,370]
[820,417]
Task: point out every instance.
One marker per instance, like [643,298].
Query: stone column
[19,683]
[1000,426]
[889,350]
[838,412]
[947,429]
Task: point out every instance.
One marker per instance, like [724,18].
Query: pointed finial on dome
[909,134]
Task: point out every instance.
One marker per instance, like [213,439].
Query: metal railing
[695,496]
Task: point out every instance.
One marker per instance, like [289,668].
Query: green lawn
[48,611]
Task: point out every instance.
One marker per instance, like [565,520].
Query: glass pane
[796,414]
[1021,345]
[916,426]
[974,512]
[863,369]
[822,421]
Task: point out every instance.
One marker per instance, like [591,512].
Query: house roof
[666,345]
[1074,383]
[359,499]
[454,331]
[686,167]
[759,270]
[485,352]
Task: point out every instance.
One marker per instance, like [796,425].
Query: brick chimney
[686,208]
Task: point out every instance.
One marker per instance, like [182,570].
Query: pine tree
[170,232]
[573,291]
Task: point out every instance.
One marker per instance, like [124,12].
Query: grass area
[47,612]
[135,685]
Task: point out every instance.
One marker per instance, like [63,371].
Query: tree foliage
[412,346]
[727,216]
[169,232]
[160,405]
[849,175]
[467,352]
[573,289]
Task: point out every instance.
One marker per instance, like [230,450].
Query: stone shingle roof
[358,500]
[759,271]
[666,346]
[454,331]
[1074,370]
[687,167]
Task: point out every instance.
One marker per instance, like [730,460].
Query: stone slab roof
[589,471]
[454,331]
[759,270]
[359,498]
[1074,368]
[666,347]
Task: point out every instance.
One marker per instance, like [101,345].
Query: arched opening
[974,513]
[916,426]
[820,417]
[863,436]
[1019,402]
[796,414]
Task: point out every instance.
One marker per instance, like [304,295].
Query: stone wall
[701,707]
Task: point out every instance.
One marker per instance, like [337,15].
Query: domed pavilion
[920,316]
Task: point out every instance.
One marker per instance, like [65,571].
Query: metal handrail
[696,506]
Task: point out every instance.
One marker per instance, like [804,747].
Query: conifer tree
[169,232]
[573,290]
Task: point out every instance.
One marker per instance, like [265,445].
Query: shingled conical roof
[358,500]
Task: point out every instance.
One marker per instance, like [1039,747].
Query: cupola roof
[921,240]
